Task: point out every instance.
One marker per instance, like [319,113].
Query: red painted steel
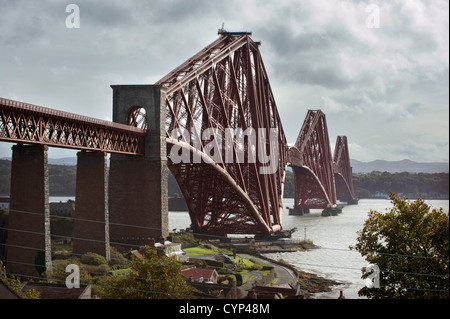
[27,123]
[225,86]
[311,160]
[343,171]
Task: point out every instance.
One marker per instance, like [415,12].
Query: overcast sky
[385,86]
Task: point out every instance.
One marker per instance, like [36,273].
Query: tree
[150,277]
[15,285]
[410,245]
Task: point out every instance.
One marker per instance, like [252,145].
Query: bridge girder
[311,160]
[343,171]
[224,89]
[32,124]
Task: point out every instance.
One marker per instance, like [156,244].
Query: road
[284,275]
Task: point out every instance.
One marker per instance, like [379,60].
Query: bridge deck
[28,123]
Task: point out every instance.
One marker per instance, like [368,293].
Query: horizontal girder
[27,123]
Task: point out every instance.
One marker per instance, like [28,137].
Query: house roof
[10,293]
[197,273]
[57,291]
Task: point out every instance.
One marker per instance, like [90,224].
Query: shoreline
[311,284]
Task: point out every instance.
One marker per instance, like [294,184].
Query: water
[334,235]
[57,199]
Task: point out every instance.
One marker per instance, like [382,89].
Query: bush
[100,270]
[93,259]
[118,260]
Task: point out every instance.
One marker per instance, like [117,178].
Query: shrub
[90,258]
[118,260]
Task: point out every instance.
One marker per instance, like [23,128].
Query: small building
[4,202]
[202,275]
[170,249]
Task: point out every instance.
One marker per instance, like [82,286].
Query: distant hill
[358,166]
[68,161]
[398,166]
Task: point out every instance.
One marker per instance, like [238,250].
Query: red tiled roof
[197,273]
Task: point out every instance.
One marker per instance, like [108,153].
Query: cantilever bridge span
[212,121]
[320,178]
[225,89]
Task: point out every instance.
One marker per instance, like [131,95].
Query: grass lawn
[199,251]
[246,262]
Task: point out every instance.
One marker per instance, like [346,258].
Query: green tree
[150,277]
[410,245]
[14,284]
[39,262]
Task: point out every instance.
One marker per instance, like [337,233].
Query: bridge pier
[91,222]
[29,243]
[138,202]
[298,211]
[332,211]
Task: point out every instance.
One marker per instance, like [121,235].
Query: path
[284,275]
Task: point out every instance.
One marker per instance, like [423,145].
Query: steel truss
[26,123]
[343,171]
[311,160]
[225,86]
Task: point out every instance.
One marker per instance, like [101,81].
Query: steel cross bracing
[27,123]
[311,162]
[225,86]
[343,171]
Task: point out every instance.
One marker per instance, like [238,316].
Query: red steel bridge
[233,178]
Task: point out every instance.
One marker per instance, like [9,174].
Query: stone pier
[332,211]
[138,204]
[28,243]
[91,222]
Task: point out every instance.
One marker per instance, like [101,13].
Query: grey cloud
[350,72]
[110,14]
[25,22]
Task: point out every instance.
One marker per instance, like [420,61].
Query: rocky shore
[310,283]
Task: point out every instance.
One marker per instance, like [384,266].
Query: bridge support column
[91,223]
[138,203]
[352,202]
[332,211]
[298,211]
[29,243]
